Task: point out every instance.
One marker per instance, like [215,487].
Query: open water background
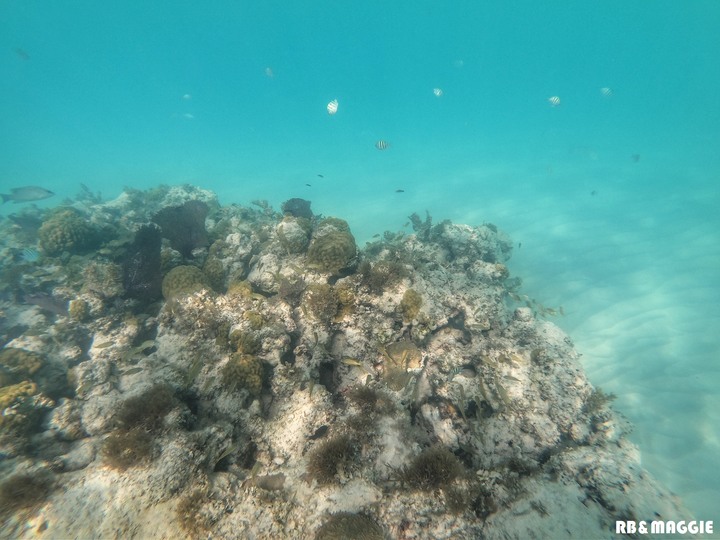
[614,199]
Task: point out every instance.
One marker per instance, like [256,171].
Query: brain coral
[244,371]
[333,246]
[183,280]
[66,230]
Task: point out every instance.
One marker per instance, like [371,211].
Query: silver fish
[30,255]
[26,194]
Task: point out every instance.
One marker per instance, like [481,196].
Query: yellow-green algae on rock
[20,362]
[184,280]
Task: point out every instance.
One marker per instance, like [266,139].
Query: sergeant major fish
[26,194]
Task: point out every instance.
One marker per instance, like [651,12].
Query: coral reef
[409,399]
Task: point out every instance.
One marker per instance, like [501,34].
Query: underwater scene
[378,270]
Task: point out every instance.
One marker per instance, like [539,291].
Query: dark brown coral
[184,226]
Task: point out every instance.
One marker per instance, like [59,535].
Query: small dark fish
[26,194]
[25,221]
[319,432]
[47,302]
[21,53]
[382,145]
[320,176]
[399,191]
[593,193]
[270,482]
[635,158]
[519,245]
[308,185]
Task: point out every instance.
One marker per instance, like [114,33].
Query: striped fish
[332,107]
[382,145]
[554,101]
[30,255]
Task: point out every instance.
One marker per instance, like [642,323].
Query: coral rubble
[289,385]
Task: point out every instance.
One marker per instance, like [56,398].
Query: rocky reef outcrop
[308,389]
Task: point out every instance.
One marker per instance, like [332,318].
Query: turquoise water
[613,196]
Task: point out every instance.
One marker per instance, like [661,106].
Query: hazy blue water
[94,94]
